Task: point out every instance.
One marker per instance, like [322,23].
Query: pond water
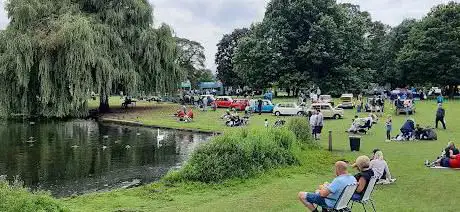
[77,157]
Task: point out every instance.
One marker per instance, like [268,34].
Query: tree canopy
[192,61]
[432,51]
[55,52]
[225,52]
[338,47]
[301,43]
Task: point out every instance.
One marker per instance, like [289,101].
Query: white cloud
[392,12]
[206,21]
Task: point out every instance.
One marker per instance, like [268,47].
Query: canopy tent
[218,86]
[187,85]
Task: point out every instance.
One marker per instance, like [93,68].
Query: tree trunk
[104,103]
[288,90]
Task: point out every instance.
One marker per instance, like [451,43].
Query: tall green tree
[55,52]
[390,49]
[301,42]
[191,60]
[432,52]
[224,56]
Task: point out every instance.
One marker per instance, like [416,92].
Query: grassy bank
[162,115]
[417,188]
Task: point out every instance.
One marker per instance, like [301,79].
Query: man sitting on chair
[327,195]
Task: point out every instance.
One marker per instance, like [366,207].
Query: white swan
[159,138]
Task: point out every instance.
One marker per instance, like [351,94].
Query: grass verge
[417,188]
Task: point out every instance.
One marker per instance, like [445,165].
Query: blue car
[267,106]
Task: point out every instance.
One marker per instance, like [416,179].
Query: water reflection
[77,157]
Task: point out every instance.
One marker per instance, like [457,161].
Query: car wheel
[336,116]
[277,113]
[300,113]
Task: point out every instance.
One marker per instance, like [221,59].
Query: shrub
[301,128]
[240,154]
[13,197]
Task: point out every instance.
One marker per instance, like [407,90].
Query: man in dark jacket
[259,106]
[440,114]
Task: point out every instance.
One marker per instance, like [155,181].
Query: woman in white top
[380,167]
[313,120]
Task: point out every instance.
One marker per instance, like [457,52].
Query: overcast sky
[206,21]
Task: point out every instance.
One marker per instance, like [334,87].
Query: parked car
[434,91]
[326,99]
[267,106]
[288,108]
[346,101]
[224,101]
[239,104]
[327,110]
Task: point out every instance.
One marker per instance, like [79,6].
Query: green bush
[16,198]
[301,128]
[240,154]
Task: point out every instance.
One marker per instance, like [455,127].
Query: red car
[240,104]
[224,101]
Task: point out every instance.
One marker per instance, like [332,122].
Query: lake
[78,157]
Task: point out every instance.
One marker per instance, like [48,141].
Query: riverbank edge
[140,124]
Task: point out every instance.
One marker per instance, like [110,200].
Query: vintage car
[326,99]
[327,110]
[288,108]
[346,101]
[224,101]
[239,104]
[267,106]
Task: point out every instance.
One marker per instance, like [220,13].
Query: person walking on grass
[319,124]
[358,106]
[266,123]
[313,119]
[259,106]
[440,114]
[205,103]
[389,127]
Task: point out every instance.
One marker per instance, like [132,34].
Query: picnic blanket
[440,167]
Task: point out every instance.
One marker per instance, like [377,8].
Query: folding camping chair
[367,194]
[366,127]
[344,199]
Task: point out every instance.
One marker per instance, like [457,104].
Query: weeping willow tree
[55,52]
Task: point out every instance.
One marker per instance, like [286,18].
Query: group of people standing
[316,124]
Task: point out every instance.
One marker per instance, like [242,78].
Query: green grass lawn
[417,188]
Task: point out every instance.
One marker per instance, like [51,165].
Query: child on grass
[389,126]
[266,123]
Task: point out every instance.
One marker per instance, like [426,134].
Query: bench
[128,102]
